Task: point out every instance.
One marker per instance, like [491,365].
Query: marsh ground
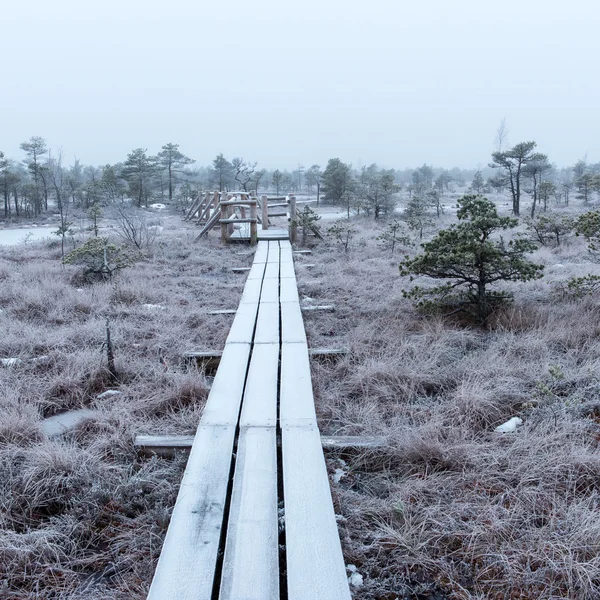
[448,509]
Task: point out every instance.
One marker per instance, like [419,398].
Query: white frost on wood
[510,426]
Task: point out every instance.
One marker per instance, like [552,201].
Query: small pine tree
[470,261]
[392,235]
[307,220]
[100,259]
[588,225]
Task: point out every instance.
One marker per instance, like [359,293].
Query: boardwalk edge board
[256,462]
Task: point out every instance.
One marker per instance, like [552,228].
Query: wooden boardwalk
[254,518]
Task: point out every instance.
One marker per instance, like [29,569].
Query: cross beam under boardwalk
[224,540]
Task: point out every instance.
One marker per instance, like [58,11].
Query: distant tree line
[40,182]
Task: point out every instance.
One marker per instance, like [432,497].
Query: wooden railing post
[243,208]
[293,224]
[224,226]
[230,212]
[265,211]
[253,222]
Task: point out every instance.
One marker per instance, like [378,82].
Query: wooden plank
[292,325]
[267,324]
[273,252]
[223,311]
[232,220]
[273,234]
[270,291]
[186,567]
[168,446]
[350,442]
[302,251]
[287,270]
[257,271]
[260,396]
[209,360]
[285,255]
[272,270]
[315,564]
[251,561]
[240,269]
[209,224]
[288,291]
[165,446]
[251,293]
[326,352]
[225,396]
[242,327]
[57,425]
[262,251]
[296,401]
[318,307]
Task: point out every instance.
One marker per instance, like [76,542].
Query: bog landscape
[451,321]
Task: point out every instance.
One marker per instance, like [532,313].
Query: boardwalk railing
[254,518]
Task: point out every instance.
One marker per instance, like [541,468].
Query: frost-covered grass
[84,516]
[450,508]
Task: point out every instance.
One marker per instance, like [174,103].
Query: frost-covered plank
[59,424]
[315,564]
[251,293]
[292,325]
[288,290]
[251,564]
[287,270]
[267,324]
[166,446]
[225,397]
[260,396]
[286,254]
[257,271]
[270,291]
[272,271]
[186,568]
[273,252]
[297,405]
[262,251]
[242,327]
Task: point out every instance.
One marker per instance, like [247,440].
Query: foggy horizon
[285,85]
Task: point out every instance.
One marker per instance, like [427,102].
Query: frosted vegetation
[487,484]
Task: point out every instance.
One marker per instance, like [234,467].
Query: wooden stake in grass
[110,354]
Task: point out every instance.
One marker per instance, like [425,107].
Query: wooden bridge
[238,214]
[254,518]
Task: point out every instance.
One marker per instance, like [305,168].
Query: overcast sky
[395,82]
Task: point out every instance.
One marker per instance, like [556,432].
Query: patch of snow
[559,266]
[108,394]
[10,362]
[158,206]
[355,579]
[338,474]
[510,426]
[154,307]
[307,299]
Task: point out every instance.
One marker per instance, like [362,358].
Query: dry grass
[451,509]
[84,516]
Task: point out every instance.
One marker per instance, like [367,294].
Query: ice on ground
[10,362]
[108,394]
[158,206]
[338,474]
[510,426]
[355,579]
